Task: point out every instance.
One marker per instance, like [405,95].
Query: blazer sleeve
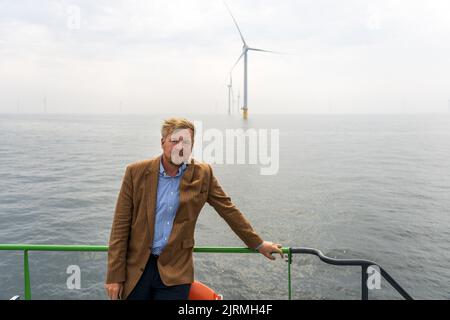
[221,202]
[118,241]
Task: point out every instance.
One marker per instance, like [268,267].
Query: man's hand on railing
[267,248]
[114,290]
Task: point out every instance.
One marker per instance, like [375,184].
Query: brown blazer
[132,230]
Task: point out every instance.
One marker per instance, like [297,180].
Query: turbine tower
[245,49]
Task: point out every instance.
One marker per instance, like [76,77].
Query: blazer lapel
[185,180]
[150,187]
[187,176]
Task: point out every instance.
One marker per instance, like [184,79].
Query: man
[152,235]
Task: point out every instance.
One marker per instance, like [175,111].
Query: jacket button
[142,269]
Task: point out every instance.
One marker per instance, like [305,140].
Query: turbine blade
[240,33]
[243,52]
[261,50]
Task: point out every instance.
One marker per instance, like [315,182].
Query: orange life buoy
[199,291]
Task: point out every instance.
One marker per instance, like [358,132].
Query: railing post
[26,276]
[364,288]
[289,274]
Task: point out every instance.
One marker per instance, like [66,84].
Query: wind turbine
[245,49]
[239,96]
[230,94]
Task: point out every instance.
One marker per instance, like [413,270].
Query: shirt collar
[162,171]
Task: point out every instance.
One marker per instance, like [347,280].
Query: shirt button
[165,238]
[168,222]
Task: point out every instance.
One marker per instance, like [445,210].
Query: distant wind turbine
[238,98]
[245,49]
[230,94]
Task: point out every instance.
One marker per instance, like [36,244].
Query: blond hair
[172,124]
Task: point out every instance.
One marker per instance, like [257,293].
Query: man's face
[177,146]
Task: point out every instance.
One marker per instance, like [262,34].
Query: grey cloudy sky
[175,55]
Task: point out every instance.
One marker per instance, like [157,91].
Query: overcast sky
[155,56]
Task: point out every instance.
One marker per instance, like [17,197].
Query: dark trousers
[151,287]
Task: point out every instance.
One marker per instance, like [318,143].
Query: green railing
[288,252]
[93,248]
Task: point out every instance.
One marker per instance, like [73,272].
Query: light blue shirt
[167,201]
